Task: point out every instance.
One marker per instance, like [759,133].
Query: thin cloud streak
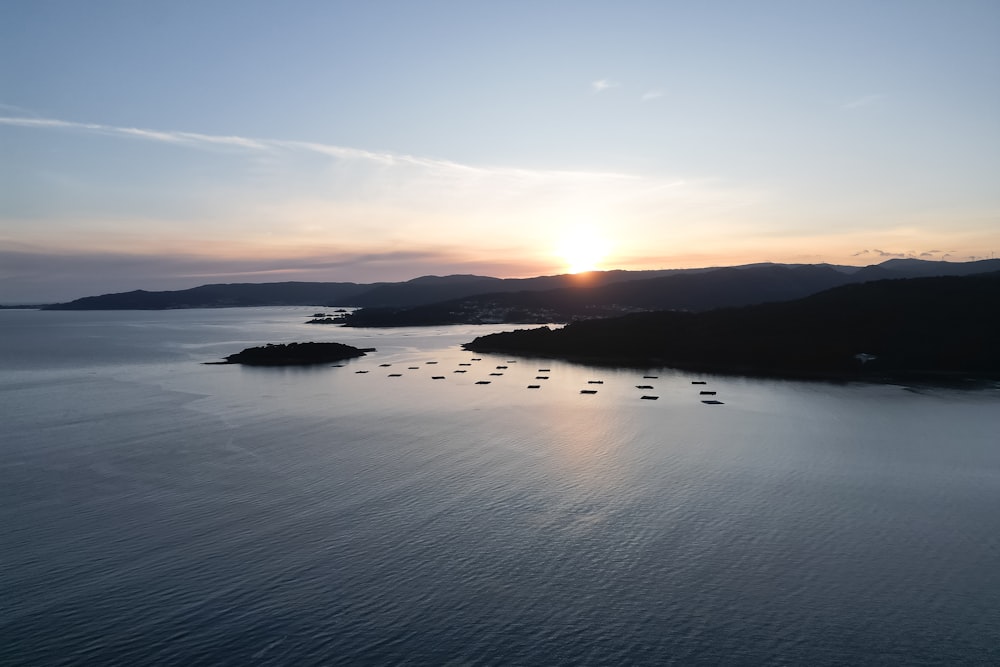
[191,138]
[197,139]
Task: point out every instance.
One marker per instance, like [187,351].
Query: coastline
[909,377]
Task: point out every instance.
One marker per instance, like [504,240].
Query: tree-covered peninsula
[890,328]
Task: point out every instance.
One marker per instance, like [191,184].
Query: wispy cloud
[864,101]
[601,85]
[906,253]
[651,95]
[204,141]
[189,138]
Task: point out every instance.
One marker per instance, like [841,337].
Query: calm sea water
[160,511]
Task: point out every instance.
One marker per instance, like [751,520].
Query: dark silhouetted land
[914,327]
[471,299]
[295,354]
[690,291]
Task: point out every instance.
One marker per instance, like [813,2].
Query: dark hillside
[222,296]
[703,290]
[920,325]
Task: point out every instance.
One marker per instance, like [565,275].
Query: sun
[582,250]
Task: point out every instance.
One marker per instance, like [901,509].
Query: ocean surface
[159,511]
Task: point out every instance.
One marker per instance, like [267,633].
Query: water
[160,511]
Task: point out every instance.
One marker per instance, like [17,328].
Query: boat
[588,391]
[649,398]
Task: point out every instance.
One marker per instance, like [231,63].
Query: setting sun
[583,251]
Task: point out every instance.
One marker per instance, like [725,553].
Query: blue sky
[162,145]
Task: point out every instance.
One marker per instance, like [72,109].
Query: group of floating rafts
[705,394]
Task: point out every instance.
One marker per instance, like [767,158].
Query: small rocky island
[295,354]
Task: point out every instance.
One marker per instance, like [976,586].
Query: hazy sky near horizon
[162,145]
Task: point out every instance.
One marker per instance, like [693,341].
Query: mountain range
[561,298]
[697,291]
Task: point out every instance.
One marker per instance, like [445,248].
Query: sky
[164,145]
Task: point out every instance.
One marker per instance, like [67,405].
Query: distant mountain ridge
[422,290]
[693,291]
[430,299]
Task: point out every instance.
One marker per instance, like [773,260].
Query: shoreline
[958,379]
